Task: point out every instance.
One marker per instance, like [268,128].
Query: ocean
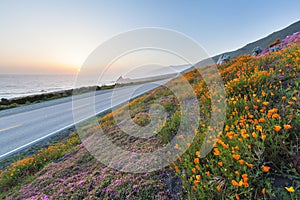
[12,86]
[18,85]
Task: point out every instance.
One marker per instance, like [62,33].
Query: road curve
[23,126]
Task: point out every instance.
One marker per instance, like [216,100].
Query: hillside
[263,43]
[256,155]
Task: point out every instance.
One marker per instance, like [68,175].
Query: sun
[75,61]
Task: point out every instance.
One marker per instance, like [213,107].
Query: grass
[256,156]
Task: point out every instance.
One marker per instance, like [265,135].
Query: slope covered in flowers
[288,40]
[256,156]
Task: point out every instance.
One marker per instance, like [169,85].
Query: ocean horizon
[20,85]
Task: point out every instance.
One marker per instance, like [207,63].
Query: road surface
[23,126]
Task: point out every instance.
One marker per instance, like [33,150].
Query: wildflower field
[256,156]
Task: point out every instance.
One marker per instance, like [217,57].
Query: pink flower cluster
[291,38]
[284,43]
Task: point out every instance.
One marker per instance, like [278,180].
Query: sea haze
[19,85]
[12,86]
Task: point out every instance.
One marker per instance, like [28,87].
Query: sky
[56,36]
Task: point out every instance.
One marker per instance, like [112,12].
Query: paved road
[23,126]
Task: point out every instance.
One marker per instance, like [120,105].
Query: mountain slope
[263,43]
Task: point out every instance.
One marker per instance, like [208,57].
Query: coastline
[37,98]
[6,103]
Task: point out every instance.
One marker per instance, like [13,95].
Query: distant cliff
[122,80]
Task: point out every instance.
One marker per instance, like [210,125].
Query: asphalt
[24,126]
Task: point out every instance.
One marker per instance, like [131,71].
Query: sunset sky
[55,37]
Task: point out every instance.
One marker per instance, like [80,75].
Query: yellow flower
[263,191]
[198,153]
[219,188]
[234,183]
[254,134]
[241,162]
[207,173]
[238,184]
[220,164]
[265,103]
[262,120]
[265,168]
[244,134]
[194,170]
[263,136]
[287,127]
[216,152]
[244,175]
[275,116]
[196,160]
[259,128]
[236,157]
[283,98]
[176,146]
[290,189]
[277,128]
[180,136]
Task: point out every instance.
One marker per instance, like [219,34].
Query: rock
[256,51]
[223,59]
[274,49]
